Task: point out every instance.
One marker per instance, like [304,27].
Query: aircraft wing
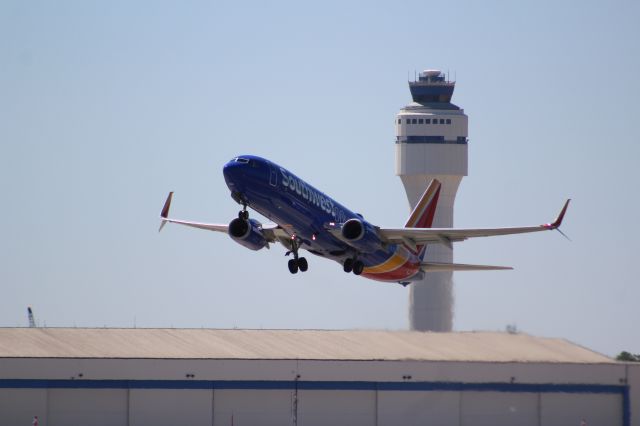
[271,231]
[420,236]
[219,227]
[164,216]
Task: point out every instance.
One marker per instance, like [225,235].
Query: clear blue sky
[107,106]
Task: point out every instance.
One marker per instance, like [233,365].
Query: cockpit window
[241,160]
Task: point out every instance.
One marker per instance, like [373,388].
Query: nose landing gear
[244,213]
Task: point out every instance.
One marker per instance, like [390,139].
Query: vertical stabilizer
[425,210]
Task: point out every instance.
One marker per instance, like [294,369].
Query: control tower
[431,143]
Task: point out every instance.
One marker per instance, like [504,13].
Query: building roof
[348,345]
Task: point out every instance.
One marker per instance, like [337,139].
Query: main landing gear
[297,263]
[353,265]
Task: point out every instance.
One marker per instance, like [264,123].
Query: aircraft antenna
[32,320]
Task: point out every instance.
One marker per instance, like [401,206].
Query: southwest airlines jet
[305,218]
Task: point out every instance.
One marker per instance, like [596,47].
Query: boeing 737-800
[305,218]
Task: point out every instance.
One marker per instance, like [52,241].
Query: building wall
[272,407]
[96,407]
[68,407]
[168,407]
[595,409]
[633,381]
[419,408]
[490,408]
[336,407]
[18,406]
[140,392]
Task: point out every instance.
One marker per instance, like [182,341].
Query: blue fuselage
[306,212]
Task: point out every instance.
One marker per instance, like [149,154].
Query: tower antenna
[32,320]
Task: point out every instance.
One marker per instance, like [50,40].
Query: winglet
[164,214]
[556,224]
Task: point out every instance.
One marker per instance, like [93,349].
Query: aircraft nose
[233,172]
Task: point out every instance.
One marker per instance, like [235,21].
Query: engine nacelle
[353,230]
[361,235]
[247,233]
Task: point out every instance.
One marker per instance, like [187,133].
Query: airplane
[305,218]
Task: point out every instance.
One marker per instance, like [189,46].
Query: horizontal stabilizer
[442,267]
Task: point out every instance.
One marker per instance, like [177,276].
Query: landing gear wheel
[293,266]
[358,267]
[348,265]
[243,214]
[302,264]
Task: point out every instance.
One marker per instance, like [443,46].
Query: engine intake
[361,235]
[353,230]
[247,233]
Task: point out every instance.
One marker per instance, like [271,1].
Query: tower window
[425,139]
[428,121]
[414,121]
[420,121]
[442,121]
[448,121]
[408,121]
[399,120]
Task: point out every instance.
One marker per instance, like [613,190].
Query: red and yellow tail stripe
[404,263]
[400,266]
[424,212]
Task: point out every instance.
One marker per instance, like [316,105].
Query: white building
[431,143]
[307,377]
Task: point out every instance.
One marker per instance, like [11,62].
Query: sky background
[107,106]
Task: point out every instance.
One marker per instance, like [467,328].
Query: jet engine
[247,233]
[361,235]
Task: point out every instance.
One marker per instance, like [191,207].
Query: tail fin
[424,211]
